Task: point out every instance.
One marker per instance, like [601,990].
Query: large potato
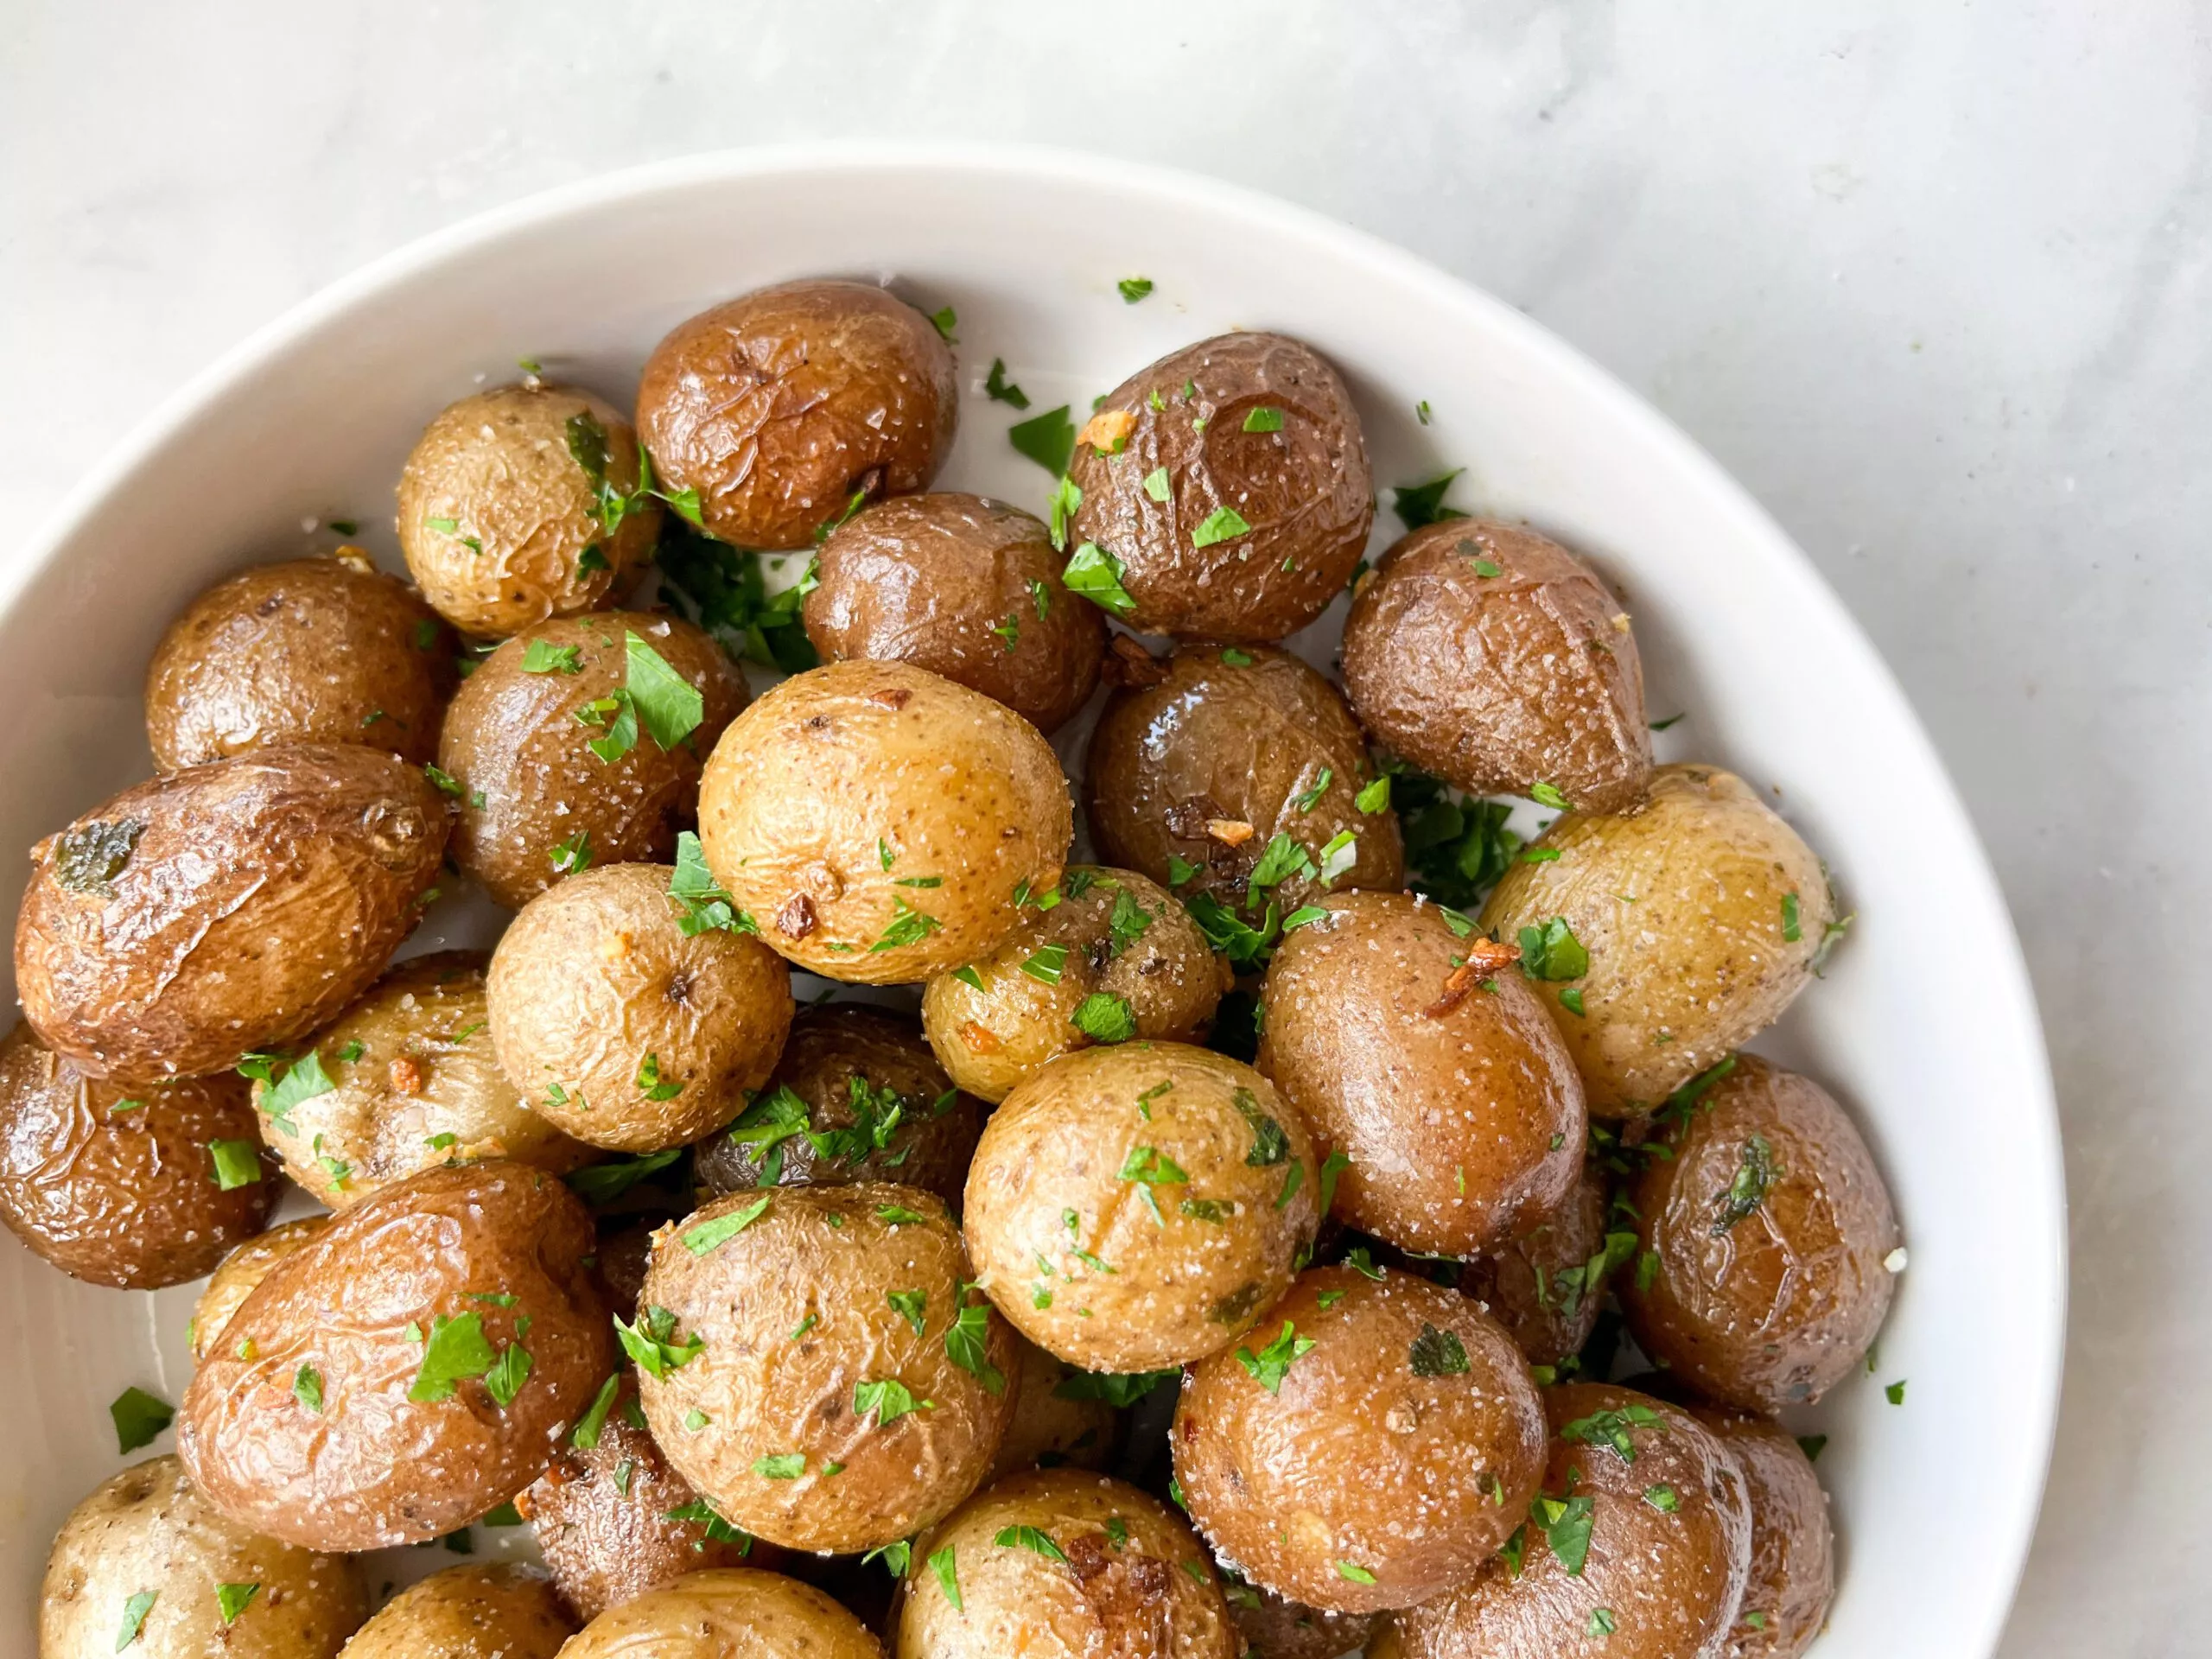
[1544,1283]
[724,1613]
[496,1610]
[882,823]
[408,1369]
[1793,1565]
[223,909]
[240,1274]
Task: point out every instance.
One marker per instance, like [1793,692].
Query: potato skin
[1236,740]
[1774,1306]
[500,467]
[1497,683]
[374,1467]
[1275,1629]
[1304,489]
[224,908]
[1048,1430]
[836,1253]
[240,1274]
[1157,963]
[967,587]
[147,1529]
[723,1611]
[516,739]
[1182,1286]
[778,406]
[596,977]
[812,786]
[501,1609]
[308,651]
[1518,1281]
[1793,1551]
[1701,963]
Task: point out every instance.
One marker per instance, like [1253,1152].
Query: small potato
[1239,773]
[1275,1629]
[1544,1284]
[1497,660]
[723,1613]
[149,1565]
[1373,1453]
[496,1610]
[224,908]
[124,1188]
[504,503]
[882,823]
[1063,1561]
[1138,1207]
[1771,1228]
[310,651]
[242,1272]
[780,406]
[812,1363]
[1056,1420]
[1229,482]
[964,587]
[578,743]
[1416,1050]
[1681,930]
[408,1369]
[1793,1551]
[1117,958]
[627,1031]
[856,1096]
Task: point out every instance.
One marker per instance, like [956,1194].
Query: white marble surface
[1933,279]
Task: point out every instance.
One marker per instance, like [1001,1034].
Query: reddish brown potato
[1793,1549]
[1056,1420]
[721,1614]
[498,1611]
[241,1273]
[1544,1284]
[780,406]
[1275,1629]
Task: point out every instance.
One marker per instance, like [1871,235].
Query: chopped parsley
[912,1305]
[1133,289]
[1104,1018]
[944,1564]
[134,1618]
[887,1400]
[650,1343]
[1272,1363]
[1046,963]
[230,1599]
[711,1236]
[238,1163]
[544,656]
[701,903]
[139,1418]
[1096,574]
[1754,1174]
[1029,1538]
[1000,389]
[782,1465]
[1437,1353]
[1047,438]
[585,1436]
[1551,952]
[1222,525]
[1157,487]
[908,927]
[945,321]
[1420,505]
[457,1347]
[1615,1429]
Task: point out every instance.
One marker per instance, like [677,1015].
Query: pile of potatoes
[727,1290]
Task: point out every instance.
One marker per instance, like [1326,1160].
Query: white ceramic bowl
[1925,1026]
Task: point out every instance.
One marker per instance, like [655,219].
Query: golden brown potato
[1544,1284]
[505,504]
[146,1564]
[1666,938]
[1056,1420]
[242,1271]
[725,1612]
[1117,958]
[496,1610]
[780,406]
[1793,1569]
[407,1370]
[964,587]
[1770,1229]
[1139,1206]
[1415,1049]
[856,1096]
[628,1031]
[223,909]
[1230,483]
[812,1361]
[882,823]
[1275,1629]
[1238,773]
[1497,660]
[310,651]
[1384,1442]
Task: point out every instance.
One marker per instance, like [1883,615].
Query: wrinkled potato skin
[1793,1549]
[927,579]
[263,894]
[1673,1583]
[514,737]
[1181,1288]
[373,1468]
[1496,683]
[1136,1601]
[1463,1118]
[777,406]
[310,651]
[147,1529]
[1217,741]
[766,1395]
[991,1039]
[1306,490]
[1275,1629]
[827,1049]
[808,782]
[1545,1323]
[496,1610]
[1698,964]
[242,1272]
[1047,1429]
[1778,1307]
[596,974]
[1358,1458]
[499,465]
[724,1612]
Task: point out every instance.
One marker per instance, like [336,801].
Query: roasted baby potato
[724,1612]
[1226,487]
[1139,1206]
[242,1271]
[1057,1420]
[223,909]
[496,1610]
[779,407]
[1792,1567]
[1544,1284]
[882,823]
[1275,1629]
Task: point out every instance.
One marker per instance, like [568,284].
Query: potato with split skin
[882,823]
[1115,958]
[1057,1422]
[1273,1628]
[241,1273]
[501,1609]
[224,908]
[1139,1206]
[1793,1550]
[725,1612]
[1544,1283]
